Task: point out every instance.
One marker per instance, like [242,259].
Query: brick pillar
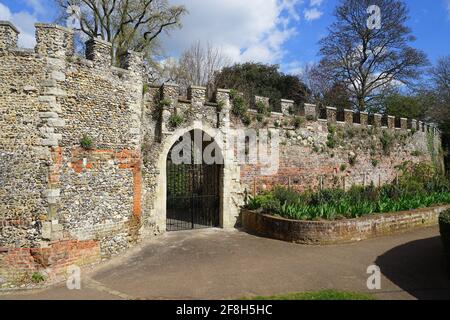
[9,35]
[133,61]
[404,123]
[348,116]
[331,114]
[223,100]
[391,122]
[99,52]
[414,124]
[377,120]
[364,118]
[197,95]
[54,41]
[310,111]
[286,106]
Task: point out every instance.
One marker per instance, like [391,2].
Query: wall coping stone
[9,24]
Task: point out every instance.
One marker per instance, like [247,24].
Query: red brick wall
[342,231]
[18,265]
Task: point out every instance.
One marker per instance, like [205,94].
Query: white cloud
[251,30]
[5,13]
[312,14]
[315,3]
[24,21]
[447,3]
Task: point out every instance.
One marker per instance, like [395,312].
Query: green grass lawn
[321,295]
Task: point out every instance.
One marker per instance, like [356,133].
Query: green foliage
[444,226]
[310,117]
[175,120]
[220,106]
[164,103]
[413,191]
[37,277]
[416,153]
[87,142]
[239,107]
[256,79]
[352,159]
[297,122]
[375,162]
[330,295]
[387,141]
[404,106]
[331,142]
[343,167]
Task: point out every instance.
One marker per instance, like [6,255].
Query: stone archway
[194,169]
[228,209]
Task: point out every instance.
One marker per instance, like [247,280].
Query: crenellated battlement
[197,96]
[54,41]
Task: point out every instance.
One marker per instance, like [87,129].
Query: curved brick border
[342,231]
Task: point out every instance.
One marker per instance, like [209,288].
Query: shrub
[86,142]
[387,141]
[331,142]
[444,226]
[297,122]
[175,120]
[37,277]
[310,117]
[375,162]
[343,167]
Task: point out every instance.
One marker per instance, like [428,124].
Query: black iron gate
[193,200]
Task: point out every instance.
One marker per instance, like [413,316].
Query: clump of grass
[86,142]
[37,277]
[175,120]
[324,295]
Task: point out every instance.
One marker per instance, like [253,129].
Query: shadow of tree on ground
[418,267]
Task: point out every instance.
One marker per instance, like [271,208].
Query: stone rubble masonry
[9,35]
[62,203]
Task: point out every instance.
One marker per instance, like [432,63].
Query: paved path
[217,264]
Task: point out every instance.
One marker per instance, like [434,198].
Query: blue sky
[285,32]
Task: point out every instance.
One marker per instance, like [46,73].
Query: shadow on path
[418,267]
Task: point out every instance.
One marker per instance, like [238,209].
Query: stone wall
[84,145]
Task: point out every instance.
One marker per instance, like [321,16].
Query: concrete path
[217,264]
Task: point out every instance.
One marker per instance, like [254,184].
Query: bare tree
[198,65]
[366,59]
[127,24]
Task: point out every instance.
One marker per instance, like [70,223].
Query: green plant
[259,117]
[261,108]
[332,204]
[387,141]
[343,167]
[375,162]
[310,117]
[416,153]
[332,129]
[175,120]
[444,226]
[352,159]
[331,142]
[37,277]
[220,106]
[87,142]
[297,122]
[246,119]
[164,103]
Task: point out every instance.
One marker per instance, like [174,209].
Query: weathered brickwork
[70,202]
[336,232]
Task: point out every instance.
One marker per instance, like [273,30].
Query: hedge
[444,224]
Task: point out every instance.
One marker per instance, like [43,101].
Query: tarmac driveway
[218,264]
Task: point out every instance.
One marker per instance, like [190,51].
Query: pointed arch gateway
[194,172]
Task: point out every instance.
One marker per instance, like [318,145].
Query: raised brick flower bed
[339,231]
